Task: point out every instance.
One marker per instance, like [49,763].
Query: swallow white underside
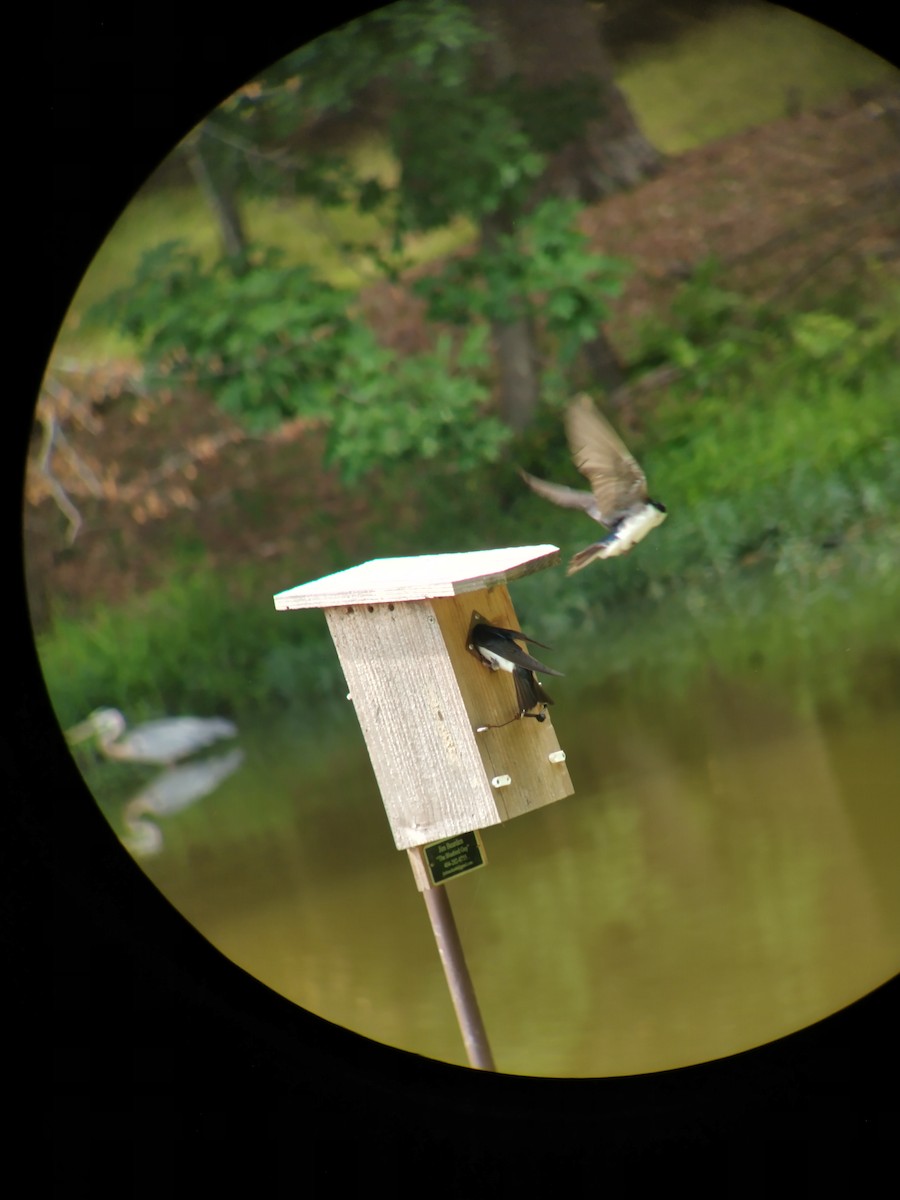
[495,661]
[632,530]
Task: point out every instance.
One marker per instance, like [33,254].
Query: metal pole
[458,979]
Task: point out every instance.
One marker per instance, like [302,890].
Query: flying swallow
[498,650]
[618,497]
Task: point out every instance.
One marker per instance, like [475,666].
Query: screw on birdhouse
[402,629]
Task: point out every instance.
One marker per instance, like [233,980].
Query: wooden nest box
[401,630]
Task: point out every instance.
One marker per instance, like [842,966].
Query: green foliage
[201,644]
[544,267]
[712,333]
[783,487]
[424,39]
[270,342]
[708,329]
[781,437]
[425,406]
[749,56]
[263,339]
[543,270]
[444,112]
[789,457]
[475,128]
[846,346]
[555,113]
[778,452]
[246,141]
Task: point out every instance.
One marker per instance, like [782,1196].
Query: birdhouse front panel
[523,754]
[453,747]
[411,712]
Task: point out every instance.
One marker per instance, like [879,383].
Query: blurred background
[343,310]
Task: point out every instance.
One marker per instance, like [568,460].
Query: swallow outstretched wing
[616,479]
[501,642]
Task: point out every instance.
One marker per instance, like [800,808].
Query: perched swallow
[618,497]
[498,650]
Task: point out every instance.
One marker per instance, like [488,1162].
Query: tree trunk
[603,362]
[219,198]
[514,346]
[550,42]
[554,42]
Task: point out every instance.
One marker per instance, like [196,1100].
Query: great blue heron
[164,741]
[171,791]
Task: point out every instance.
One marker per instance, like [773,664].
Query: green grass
[199,644]
[735,72]
[808,622]
[304,232]
[783,482]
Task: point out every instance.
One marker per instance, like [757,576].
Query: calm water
[725,873]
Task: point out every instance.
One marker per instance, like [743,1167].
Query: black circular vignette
[155,1056]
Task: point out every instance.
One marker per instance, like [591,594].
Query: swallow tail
[580,560]
[529,692]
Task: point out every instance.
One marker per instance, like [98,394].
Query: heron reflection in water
[171,791]
[165,741]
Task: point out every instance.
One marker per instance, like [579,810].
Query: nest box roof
[420,577]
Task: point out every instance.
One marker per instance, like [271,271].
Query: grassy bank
[816,624]
[762,57]
[778,455]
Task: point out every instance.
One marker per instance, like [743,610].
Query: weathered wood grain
[520,749]
[400,628]
[413,719]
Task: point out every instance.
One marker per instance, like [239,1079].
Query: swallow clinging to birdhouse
[498,649]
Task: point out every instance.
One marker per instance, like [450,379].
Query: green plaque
[454,856]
